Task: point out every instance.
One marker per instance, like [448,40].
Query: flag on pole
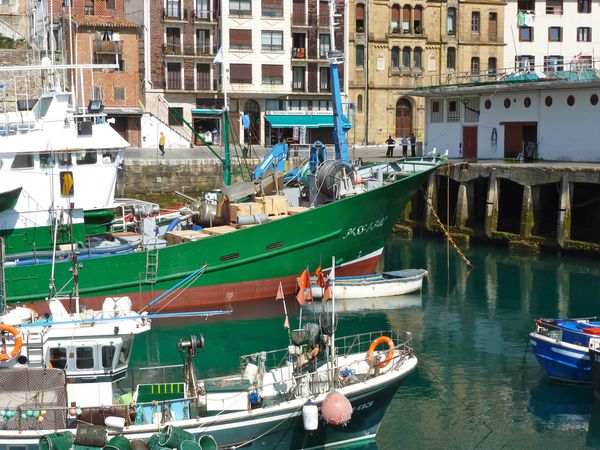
[303,285]
[286,323]
[326,294]
[279,292]
[320,278]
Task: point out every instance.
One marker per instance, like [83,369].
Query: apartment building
[551,35]
[97,32]
[399,47]
[268,57]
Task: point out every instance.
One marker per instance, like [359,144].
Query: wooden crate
[244,209]
[275,205]
[214,231]
[293,210]
[181,236]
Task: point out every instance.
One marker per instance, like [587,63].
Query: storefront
[208,124]
[299,128]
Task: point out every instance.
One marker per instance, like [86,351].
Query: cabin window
[488,104]
[23,161]
[124,352]
[108,355]
[84,358]
[594,99]
[527,102]
[64,159]
[46,160]
[109,156]
[58,358]
[570,100]
[86,157]
[548,101]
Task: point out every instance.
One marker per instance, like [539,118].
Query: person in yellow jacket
[161,143]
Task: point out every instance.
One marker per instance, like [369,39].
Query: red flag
[286,324]
[327,294]
[303,283]
[279,292]
[320,278]
[309,294]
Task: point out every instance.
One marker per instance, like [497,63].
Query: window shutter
[240,38]
[396,14]
[240,73]
[406,13]
[272,70]
[360,12]
[418,14]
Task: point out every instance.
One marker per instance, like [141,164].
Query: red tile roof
[107,22]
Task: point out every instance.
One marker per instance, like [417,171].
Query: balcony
[299,53]
[108,47]
[179,50]
[201,15]
[174,14]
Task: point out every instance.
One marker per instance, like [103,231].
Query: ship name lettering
[365,228]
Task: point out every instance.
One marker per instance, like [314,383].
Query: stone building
[396,47]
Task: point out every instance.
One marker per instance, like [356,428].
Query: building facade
[267,57]
[551,35]
[399,47]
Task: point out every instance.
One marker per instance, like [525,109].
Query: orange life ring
[388,356]
[6,356]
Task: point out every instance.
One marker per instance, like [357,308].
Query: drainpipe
[440,51]
[366,107]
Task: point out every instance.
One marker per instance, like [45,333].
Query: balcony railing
[299,53]
[174,14]
[110,47]
[179,50]
[173,82]
[201,15]
[492,37]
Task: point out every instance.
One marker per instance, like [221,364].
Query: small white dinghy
[386,284]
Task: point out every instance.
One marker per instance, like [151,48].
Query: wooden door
[403,118]
[470,142]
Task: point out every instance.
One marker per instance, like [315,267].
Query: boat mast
[227,162]
[341,124]
[2,278]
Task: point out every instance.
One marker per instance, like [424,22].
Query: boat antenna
[54,238]
[333,324]
[341,124]
[74,260]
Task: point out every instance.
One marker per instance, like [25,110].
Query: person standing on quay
[161,143]
[390,143]
[404,146]
[413,143]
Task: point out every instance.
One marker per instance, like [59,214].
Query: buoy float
[310,416]
[336,409]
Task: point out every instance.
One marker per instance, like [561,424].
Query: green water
[475,386]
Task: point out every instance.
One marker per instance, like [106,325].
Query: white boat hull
[386,285]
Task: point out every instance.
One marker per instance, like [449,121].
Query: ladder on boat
[35,348]
[151,265]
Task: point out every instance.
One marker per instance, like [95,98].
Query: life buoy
[388,356]
[5,355]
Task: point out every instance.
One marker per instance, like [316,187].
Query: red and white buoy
[336,409]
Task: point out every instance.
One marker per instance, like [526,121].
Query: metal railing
[578,69]
[112,47]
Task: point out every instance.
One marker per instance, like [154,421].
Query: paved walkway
[371,153]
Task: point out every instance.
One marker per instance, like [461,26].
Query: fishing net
[28,394]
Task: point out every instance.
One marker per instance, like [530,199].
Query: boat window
[64,159]
[58,357]
[85,358]
[124,353]
[109,156]
[23,161]
[87,157]
[108,355]
[46,160]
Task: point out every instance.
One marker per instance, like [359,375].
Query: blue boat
[561,346]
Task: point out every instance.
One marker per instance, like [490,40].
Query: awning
[300,120]
[123,110]
[207,112]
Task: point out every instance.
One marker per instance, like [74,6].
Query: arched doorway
[252,134]
[403,118]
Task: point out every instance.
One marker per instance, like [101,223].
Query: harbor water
[477,384]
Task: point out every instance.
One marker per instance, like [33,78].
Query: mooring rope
[447,233]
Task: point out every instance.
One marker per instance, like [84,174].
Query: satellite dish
[46,61]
